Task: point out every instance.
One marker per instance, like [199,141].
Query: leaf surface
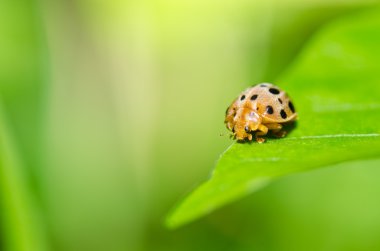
[335,87]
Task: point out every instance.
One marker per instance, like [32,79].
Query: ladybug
[257,110]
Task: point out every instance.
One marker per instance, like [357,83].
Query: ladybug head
[246,121]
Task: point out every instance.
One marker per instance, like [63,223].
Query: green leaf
[336,89]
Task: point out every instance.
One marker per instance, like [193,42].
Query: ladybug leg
[249,137]
[262,130]
[274,126]
[229,119]
[276,129]
[230,125]
[280,134]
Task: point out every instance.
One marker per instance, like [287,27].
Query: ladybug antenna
[230,135]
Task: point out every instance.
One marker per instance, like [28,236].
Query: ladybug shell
[268,101]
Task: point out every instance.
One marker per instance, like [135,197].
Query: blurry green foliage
[22,221]
[22,79]
[110,109]
[334,84]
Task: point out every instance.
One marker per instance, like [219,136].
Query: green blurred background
[110,111]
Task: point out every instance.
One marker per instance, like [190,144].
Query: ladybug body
[257,110]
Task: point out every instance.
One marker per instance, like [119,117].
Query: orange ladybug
[257,110]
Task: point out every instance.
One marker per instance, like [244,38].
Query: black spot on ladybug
[291,106]
[254,97]
[233,129]
[242,97]
[283,114]
[263,85]
[269,109]
[246,129]
[279,100]
[274,91]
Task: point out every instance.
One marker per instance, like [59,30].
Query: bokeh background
[110,111]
